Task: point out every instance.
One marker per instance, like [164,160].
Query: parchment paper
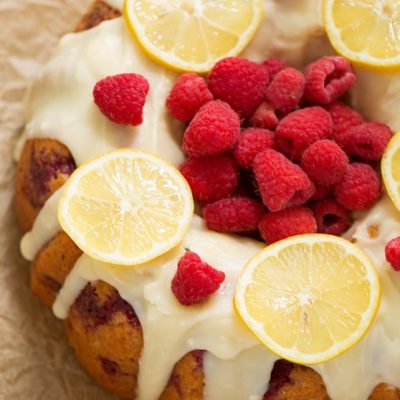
[35,360]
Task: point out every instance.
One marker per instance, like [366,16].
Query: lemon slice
[126,207]
[193,35]
[390,167]
[308,298]
[365,31]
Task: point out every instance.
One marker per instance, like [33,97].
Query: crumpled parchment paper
[35,360]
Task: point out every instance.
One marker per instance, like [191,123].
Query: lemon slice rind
[292,354]
[70,190]
[363,58]
[171,60]
[392,185]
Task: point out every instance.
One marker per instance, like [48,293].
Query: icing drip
[171,330]
[45,227]
[60,106]
[244,377]
[60,103]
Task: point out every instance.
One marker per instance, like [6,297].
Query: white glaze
[376,358]
[45,227]
[215,326]
[60,103]
[241,377]
[292,30]
[170,330]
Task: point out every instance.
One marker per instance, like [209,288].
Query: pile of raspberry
[274,151]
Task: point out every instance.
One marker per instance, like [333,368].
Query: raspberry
[281,183]
[274,65]
[359,189]
[301,128]
[321,192]
[368,140]
[239,82]
[195,280]
[331,217]
[286,90]
[282,224]
[121,98]
[343,118]
[327,79]
[236,214]
[324,162]
[392,253]
[189,93]
[265,117]
[251,142]
[211,178]
[214,130]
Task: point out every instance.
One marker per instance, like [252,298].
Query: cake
[139,347]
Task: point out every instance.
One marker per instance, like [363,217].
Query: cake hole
[110,367]
[373,231]
[387,9]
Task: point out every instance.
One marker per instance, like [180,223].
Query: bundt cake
[124,328]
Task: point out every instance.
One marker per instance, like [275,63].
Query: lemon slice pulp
[193,35]
[126,207]
[390,167]
[365,31]
[308,298]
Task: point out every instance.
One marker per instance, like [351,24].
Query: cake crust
[44,166]
[51,266]
[107,338]
[98,12]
